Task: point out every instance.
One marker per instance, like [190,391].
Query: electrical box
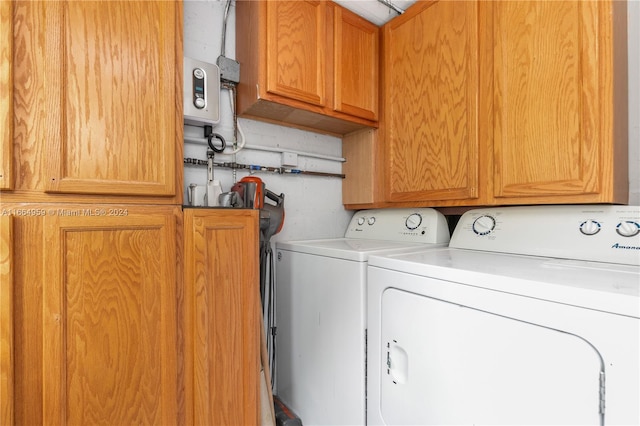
[201,93]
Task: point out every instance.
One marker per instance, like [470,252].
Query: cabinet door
[431,100]
[222,309]
[296,40]
[356,64]
[109,316]
[106,79]
[6,321]
[6,99]
[553,100]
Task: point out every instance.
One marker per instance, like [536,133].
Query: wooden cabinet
[95,313]
[96,324]
[6,320]
[296,43]
[356,64]
[222,295]
[431,69]
[310,64]
[6,97]
[99,325]
[560,102]
[97,95]
[502,103]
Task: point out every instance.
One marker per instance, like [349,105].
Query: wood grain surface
[6,97]
[222,302]
[296,35]
[6,321]
[96,97]
[431,104]
[109,319]
[547,139]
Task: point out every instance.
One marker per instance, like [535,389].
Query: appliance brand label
[620,246]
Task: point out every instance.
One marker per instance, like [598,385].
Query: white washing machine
[321,310]
[530,316]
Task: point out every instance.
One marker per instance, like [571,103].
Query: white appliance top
[601,286]
[379,230]
[587,256]
[600,233]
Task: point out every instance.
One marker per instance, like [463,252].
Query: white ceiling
[373,10]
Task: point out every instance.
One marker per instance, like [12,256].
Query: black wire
[210,142]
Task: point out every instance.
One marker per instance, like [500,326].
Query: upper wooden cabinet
[560,102]
[355,64]
[431,71]
[97,98]
[502,103]
[310,64]
[296,43]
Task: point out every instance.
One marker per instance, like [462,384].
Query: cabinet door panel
[355,65]
[547,134]
[221,293]
[109,319]
[431,81]
[116,64]
[6,321]
[296,34]
[6,99]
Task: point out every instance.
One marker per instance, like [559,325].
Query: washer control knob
[413,221]
[371,220]
[360,221]
[628,228]
[590,227]
[484,224]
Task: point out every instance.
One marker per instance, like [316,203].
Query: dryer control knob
[628,228]
[371,220]
[413,221]
[361,221]
[590,227]
[484,225]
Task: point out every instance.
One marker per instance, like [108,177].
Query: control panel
[201,93]
[420,225]
[597,233]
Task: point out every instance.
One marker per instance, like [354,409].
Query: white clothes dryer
[321,310]
[530,316]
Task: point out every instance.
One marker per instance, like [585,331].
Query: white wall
[313,205]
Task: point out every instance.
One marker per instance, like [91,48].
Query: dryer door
[453,364]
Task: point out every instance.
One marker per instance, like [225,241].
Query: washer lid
[594,285]
[353,249]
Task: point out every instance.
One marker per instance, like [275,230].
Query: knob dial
[590,227]
[413,221]
[484,225]
[199,103]
[371,220]
[361,221]
[198,73]
[628,228]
